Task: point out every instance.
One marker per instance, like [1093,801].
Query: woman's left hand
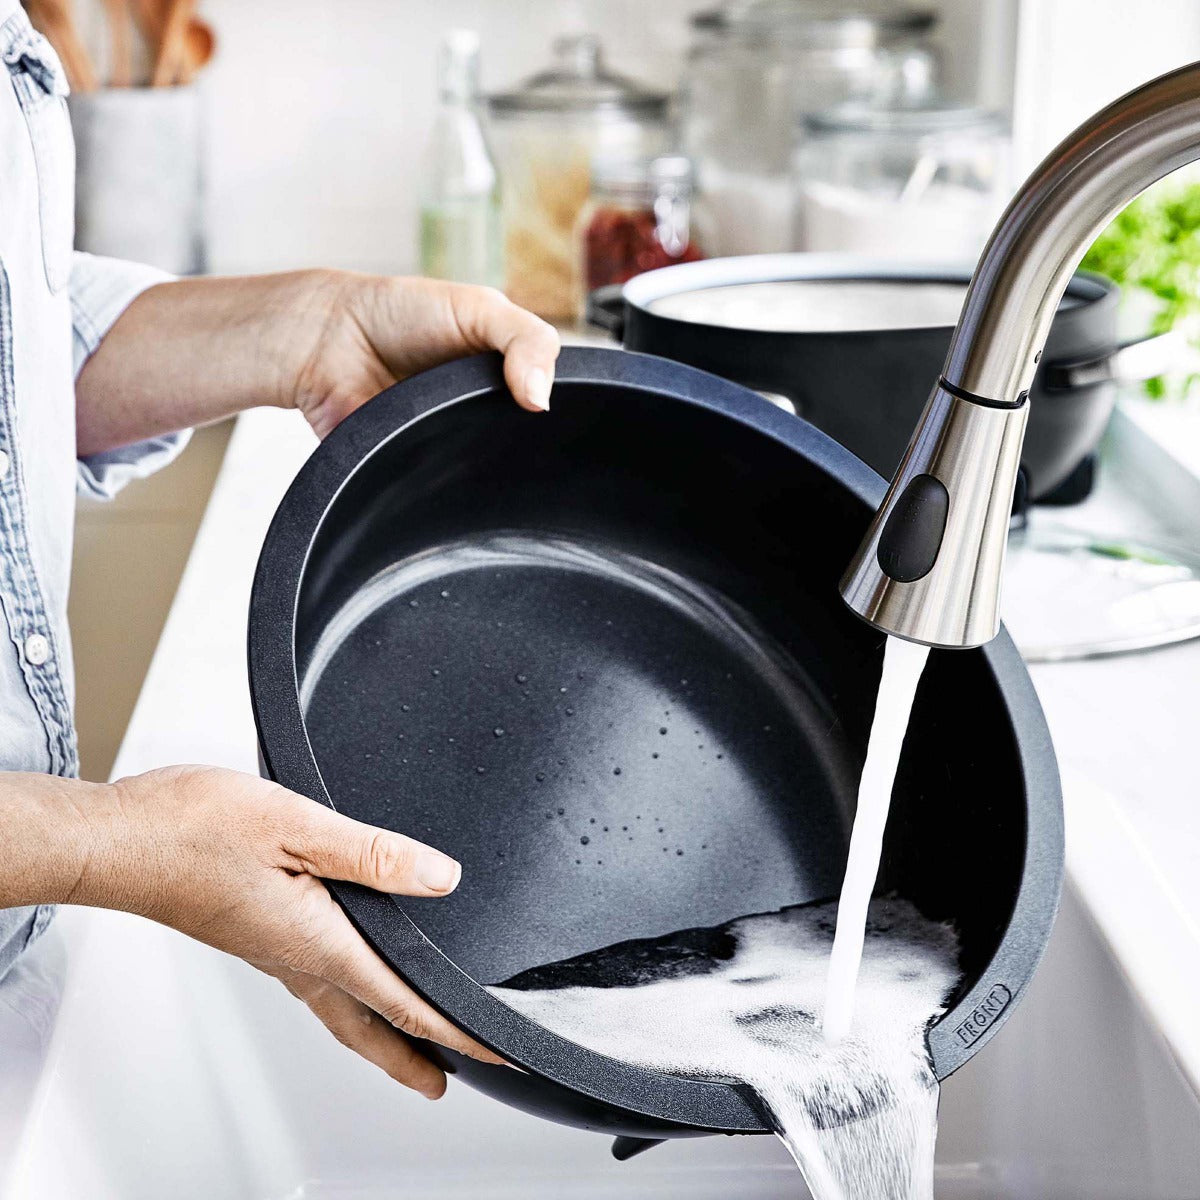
[371,331]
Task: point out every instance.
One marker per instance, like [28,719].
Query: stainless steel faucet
[930,566]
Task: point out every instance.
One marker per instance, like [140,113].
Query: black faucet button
[912,535]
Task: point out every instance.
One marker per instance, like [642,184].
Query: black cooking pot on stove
[600,657]
[853,346]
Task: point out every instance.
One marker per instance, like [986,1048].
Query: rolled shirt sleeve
[101,290]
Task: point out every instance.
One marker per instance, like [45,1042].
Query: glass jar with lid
[755,69]
[547,134]
[921,182]
[640,217]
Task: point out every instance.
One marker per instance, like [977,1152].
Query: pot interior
[600,657]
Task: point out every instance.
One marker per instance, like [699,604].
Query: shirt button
[4,462]
[37,649]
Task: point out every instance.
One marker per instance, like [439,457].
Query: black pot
[445,565]
[866,387]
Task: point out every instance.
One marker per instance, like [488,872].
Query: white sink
[170,1070]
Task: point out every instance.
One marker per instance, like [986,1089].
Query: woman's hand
[374,330]
[236,861]
[196,350]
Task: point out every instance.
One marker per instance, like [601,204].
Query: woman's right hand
[237,862]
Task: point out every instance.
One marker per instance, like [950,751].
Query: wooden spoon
[172,47]
[201,44]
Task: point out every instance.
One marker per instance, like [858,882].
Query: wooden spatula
[120,42]
[172,47]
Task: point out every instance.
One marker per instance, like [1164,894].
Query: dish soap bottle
[460,199]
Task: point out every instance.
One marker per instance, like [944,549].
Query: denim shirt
[55,306]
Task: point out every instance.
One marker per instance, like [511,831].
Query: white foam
[859,1116]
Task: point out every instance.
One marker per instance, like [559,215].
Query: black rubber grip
[909,544]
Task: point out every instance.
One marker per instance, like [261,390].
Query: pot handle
[605,310]
[1130,362]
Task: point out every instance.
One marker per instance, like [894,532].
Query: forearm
[194,351]
[52,836]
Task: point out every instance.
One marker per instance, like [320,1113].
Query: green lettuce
[1153,247]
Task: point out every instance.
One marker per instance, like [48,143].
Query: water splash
[740,1003]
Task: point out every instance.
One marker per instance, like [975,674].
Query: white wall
[1074,56]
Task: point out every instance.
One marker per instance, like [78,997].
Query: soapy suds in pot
[742,1003]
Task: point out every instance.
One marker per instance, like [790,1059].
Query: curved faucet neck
[930,566]
[1044,233]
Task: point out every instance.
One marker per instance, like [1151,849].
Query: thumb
[530,346]
[337,847]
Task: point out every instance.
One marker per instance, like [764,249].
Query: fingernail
[537,388]
[438,872]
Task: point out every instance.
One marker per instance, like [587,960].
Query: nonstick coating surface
[585,709]
[710,529]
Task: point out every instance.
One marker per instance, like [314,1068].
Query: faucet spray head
[930,566]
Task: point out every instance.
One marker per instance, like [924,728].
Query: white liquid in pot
[818,305]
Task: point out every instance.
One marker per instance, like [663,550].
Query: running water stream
[903,663]
[827,1029]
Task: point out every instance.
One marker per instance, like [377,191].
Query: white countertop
[1125,727]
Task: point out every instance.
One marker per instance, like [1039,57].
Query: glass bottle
[460,195]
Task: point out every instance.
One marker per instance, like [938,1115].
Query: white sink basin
[171,1070]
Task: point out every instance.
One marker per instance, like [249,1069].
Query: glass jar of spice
[640,216]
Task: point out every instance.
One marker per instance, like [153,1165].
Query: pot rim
[675,1101]
[641,291]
